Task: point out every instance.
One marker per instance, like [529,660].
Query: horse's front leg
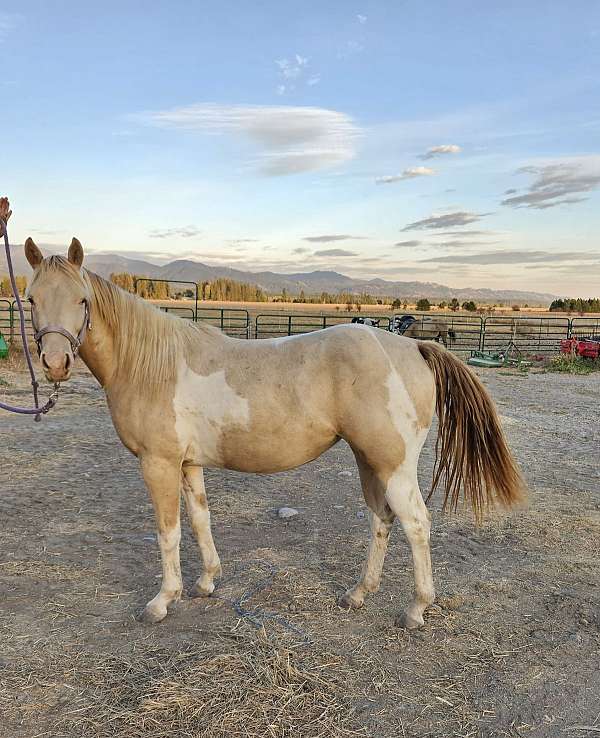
[163,479]
[197,507]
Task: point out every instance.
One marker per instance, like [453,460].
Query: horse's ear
[76,253]
[33,255]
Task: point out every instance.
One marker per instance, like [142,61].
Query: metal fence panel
[271,325]
[233,321]
[530,334]
[180,312]
[6,319]
[462,333]
[583,327]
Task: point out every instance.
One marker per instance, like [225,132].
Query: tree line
[6,289]
[576,305]
[221,289]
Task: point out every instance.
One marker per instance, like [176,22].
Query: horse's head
[60,299]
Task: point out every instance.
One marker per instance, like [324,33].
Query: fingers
[5,211]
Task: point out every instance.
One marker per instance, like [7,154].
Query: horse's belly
[268,453]
[257,450]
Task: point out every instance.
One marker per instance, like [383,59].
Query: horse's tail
[471,450]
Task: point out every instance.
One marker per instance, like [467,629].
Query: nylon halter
[75,341]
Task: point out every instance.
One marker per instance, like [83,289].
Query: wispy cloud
[292,139]
[440,151]
[333,237]
[301,250]
[516,257]
[362,19]
[557,183]
[185,232]
[294,72]
[466,233]
[335,252]
[411,173]
[445,220]
[8,23]
[407,244]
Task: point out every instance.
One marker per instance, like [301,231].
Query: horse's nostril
[68,362]
[44,362]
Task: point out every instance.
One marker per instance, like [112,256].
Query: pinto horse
[183,396]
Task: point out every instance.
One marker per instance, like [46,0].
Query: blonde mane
[148,343]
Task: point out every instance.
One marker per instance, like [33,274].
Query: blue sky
[448,142]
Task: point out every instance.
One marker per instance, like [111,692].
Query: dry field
[255,308]
[511,649]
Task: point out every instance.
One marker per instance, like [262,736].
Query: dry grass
[239,685]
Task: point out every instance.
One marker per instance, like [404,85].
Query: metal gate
[529,334]
[462,333]
[271,325]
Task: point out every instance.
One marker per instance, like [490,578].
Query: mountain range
[313,283]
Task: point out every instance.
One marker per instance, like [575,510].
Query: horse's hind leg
[197,507]
[404,497]
[382,519]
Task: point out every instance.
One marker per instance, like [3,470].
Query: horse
[427,329]
[374,322]
[184,396]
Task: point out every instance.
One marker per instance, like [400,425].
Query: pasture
[511,648]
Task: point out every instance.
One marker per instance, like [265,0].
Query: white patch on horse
[401,407]
[205,407]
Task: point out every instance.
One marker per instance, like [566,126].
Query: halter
[75,341]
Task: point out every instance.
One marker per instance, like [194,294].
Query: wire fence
[461,333]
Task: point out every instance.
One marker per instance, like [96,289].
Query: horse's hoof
[348,602]
[410,622]
[151,616]
[200,590]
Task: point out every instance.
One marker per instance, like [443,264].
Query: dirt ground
[512,647]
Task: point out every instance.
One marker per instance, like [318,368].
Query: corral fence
[461,332]
[531,335]
[10,320]
[272,325]
[465,333]
[233,321]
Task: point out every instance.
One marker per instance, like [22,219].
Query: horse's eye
[30,300]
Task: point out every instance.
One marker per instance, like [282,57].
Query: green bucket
[3,347]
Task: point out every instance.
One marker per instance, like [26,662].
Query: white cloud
[292,68]
[362,19]
[292,139]
[556,183]
[440,151]
[295,72]
[406,174]
[8,22]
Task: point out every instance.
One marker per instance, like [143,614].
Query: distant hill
[273,282]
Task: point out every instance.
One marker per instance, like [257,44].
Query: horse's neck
[97,351]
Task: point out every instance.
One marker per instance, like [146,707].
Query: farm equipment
[587,347]
[509,356]
[3,347]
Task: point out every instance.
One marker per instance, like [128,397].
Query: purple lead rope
[37,411]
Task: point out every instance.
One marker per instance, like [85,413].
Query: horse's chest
[207,409]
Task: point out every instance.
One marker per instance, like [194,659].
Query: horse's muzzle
[57,365]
